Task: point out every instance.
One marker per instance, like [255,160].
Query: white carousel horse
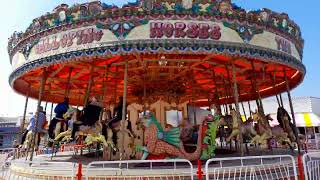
[27,145]
[264,132]
[281,136]
[93,134]
[247,128]
[29,141]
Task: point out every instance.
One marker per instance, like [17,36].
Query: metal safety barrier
[6,155]
[140,169]
[37,170]
[251,168]
[311,165]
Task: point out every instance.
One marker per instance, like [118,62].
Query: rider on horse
[90,116]
[41,118]
[59,110]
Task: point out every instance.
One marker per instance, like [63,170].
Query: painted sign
[84,36]
[92,37]
[182,30]
[283,45]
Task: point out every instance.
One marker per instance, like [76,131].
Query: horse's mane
[280,114]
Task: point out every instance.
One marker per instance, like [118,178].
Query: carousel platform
[65,165]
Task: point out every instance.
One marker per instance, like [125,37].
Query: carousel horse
[264,128]
[92,133]
[29,141]
[73,114]
[112,132]
[277,133]
[237,123]
[166,143]
[286,124]
[281,136]
[41,131]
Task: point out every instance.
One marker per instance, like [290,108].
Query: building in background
[9,131]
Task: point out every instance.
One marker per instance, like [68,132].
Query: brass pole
[249,105]
[46,104]
[216,95]
[144,92]
[281,101]
[229,90]
[79,99]
[104,84]
[51,111]
[124,108]
[42,86]
[236,98]
[292,111]
[244,112]
[25,112]
[115,87]
[144,101]
[255,94]
[67,90]
[193,103]
[104,89]
[226,95]
[259,102]
[86,98]
[274,87]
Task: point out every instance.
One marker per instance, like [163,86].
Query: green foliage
[210,140]
[206,140]
[139,148]
[100,26]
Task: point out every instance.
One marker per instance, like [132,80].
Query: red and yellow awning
[302,120]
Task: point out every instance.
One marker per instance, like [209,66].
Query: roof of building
[8,120]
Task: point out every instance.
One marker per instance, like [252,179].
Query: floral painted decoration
[123,19]
[245,32]
[121,29]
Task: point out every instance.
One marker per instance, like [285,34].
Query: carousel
[140,61]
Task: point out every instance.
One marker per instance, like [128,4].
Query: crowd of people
[90,114]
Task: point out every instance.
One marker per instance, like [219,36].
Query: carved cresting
[187,4]
[148,4]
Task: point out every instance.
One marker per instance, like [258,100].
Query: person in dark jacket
[59,110]
[117,117]
[117,113]
[90,116]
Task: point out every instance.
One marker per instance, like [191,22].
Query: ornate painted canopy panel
[175,50]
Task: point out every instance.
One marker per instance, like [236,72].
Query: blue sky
[16,15]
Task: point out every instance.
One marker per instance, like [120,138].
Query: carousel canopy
[175,50]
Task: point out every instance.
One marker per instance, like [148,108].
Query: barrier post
[300,167]
[199,172]
[62,148]
[79,174]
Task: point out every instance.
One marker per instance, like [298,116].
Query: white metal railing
[37,170]
[311,165]
[140,169]
[252,167]
[6,155]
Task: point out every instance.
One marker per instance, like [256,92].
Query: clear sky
[16,15]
